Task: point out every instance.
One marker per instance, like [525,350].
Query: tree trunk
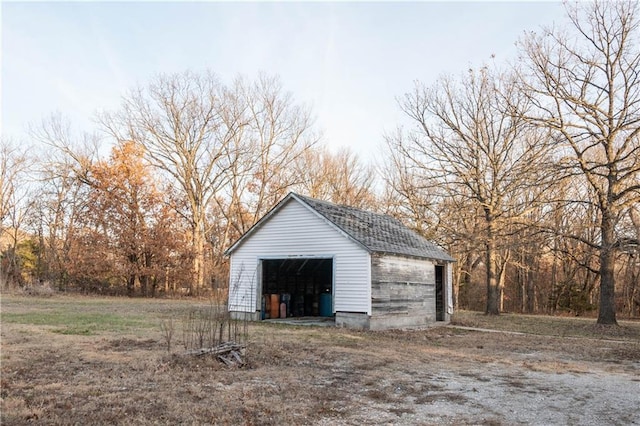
[154,286]
[522,288]
[131,283]
[501,279]
[198,259]
[607,311]
[166,280]
[493,292]
[144,276]
[554,280]
[463,295]
[532,300]
[456,286]
[133,267]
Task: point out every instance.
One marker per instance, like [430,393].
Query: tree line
[193,164]
[528,173]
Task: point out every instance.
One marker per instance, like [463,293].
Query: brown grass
[119,372]
[550,325]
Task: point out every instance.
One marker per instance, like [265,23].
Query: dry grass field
[84,360]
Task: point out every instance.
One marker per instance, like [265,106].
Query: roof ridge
[345,206]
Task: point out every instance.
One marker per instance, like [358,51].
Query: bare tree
[14,162]
[61,195]
[280,134]
[585,84]
[337,177]
[226,150]
[263,153]
[60,198]
[468,144]
[262,156]
[73,153]
[187,123]
[14,205]
[408,192]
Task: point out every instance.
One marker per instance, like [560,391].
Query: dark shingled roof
[377,232]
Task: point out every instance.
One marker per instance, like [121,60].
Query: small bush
[206,327]
[42,289]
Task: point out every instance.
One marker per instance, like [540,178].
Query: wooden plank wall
[402,286]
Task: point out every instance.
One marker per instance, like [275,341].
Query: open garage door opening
[301,287]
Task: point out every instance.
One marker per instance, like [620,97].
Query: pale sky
[347,61]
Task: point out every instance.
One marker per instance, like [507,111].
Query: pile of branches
[230,353]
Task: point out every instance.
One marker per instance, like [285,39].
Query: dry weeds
[308,375]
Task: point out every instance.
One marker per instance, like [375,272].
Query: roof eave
[415,256]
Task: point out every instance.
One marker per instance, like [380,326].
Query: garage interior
[295,288]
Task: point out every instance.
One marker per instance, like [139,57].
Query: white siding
[296,231]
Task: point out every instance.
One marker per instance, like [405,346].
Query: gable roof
[376,232]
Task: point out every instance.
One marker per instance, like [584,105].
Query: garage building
[311,258]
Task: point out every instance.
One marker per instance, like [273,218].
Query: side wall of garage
[403,292]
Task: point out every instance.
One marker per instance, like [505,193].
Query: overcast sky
[347,61]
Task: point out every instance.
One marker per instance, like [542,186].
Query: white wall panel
[296,231]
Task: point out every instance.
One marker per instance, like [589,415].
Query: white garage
[311,258]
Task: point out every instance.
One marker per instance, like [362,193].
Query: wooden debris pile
[230,353]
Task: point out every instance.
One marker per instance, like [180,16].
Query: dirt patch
[313,375]
[126,344]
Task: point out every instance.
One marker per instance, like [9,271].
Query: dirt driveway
[316,375]
[488,378]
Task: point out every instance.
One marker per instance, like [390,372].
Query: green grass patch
[79,323]
[74,331]
[89,315]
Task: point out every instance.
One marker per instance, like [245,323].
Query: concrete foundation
[245,316]
[385,322]
[352,320]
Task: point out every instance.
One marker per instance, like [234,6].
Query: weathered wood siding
[449,289]
[297,231]
[402,291]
